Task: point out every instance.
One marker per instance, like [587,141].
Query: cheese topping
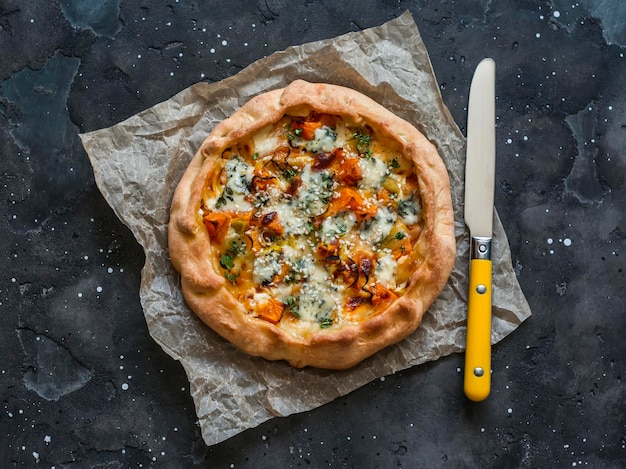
[374,172]
[313,221]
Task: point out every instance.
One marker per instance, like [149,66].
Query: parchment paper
[137,165]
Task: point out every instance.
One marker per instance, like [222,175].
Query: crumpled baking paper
[138,163]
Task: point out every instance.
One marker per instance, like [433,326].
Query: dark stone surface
[83,385]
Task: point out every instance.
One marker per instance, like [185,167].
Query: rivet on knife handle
[478,349]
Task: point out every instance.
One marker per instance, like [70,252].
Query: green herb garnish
[231,277]
[363,141]
[292,305]
[325,323]
[226,261]
[289,173]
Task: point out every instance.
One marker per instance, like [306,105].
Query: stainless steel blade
[481,151]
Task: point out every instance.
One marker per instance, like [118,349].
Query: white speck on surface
[125,387]
[550,241]
[556,14]
[567,242]
[110,270]
[509,410]
[99,289]
[538,35]
[224,42]
[47,439]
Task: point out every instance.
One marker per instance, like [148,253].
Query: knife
[479,191]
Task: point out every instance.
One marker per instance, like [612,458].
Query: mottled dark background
[83,385]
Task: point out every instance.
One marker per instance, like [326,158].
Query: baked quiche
[313,226]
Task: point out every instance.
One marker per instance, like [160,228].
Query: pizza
[313,226]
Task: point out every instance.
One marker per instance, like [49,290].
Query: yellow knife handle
[477,382]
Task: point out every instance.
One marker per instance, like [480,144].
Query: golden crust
[345,345]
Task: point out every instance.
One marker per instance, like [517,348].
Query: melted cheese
[337,226]
[409,209]
[374,172]
[385,270]
[266,266]
[265,142]
[378,227]
[239,176]
[315,191]
[295,222]
[324,140]
[343,135]
[319,298]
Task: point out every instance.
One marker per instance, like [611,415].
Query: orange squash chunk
[217,224]
[271,310]
[349,172]
[269,223]
[308,128]
[349,199]
[402,248]
[380,294]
